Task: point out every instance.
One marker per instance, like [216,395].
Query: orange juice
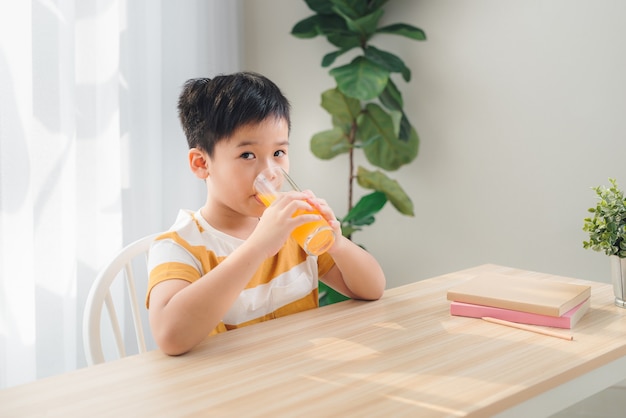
[314,237]
[267,199]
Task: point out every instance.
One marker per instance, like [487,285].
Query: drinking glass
[314,237]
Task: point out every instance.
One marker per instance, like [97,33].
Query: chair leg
[119,341]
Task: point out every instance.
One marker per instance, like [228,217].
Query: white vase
[618,277]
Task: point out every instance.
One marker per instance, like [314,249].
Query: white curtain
[91,155]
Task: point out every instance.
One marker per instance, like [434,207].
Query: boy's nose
[273,172]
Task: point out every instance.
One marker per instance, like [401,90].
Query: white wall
[520,108]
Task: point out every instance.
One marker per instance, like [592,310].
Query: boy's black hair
[213,109]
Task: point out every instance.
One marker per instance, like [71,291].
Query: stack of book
[523,300]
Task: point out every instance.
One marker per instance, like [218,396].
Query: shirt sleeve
[169,260]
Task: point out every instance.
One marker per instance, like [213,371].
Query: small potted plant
[607,234]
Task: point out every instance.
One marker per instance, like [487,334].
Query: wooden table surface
[403,355]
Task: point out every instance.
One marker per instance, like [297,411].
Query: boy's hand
[277,221]
[327,212]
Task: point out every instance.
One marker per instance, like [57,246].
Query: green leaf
[306,28]
[365,26]
[382,147]
[326,25]
[379,181]
[406,130]
[403,29]
[344,40]
[376,4]
[330,26]
[391,97]
[352,9]
[343,109]
[328,144]
[361,79]
[388,61]
[330,58]
[346,128]
[328,295]
[396,118]
[320,6]
[363,212]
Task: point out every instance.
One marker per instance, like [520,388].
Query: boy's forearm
[360,271]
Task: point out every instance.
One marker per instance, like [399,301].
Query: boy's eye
[279,153]
[247,155]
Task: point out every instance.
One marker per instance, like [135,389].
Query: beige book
[526,294]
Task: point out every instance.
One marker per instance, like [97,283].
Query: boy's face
[237,160]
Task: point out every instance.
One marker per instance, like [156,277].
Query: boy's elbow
[171,343]
[378,293]
[172,349]
[378,290]
[374,292]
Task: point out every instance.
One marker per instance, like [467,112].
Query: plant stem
[351,176]
[351,139]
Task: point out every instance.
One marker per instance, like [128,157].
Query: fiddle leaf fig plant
[607,226]
[366,106]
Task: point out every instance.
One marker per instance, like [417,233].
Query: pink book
[567,320]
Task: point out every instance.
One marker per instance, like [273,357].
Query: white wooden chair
[123,266]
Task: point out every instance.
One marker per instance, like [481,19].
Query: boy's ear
[199,163]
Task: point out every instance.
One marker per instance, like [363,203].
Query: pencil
[529,328]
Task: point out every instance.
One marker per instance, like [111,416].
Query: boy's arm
[356,273]
[182,314]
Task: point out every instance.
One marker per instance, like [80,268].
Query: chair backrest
[99,298]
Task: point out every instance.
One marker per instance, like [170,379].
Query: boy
[233,263]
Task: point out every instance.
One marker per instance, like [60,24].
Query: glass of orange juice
[314,237]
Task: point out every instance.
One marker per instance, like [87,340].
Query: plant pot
[618,277]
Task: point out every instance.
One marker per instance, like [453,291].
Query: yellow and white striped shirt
[284,284]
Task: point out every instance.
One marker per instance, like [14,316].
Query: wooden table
[403,355]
